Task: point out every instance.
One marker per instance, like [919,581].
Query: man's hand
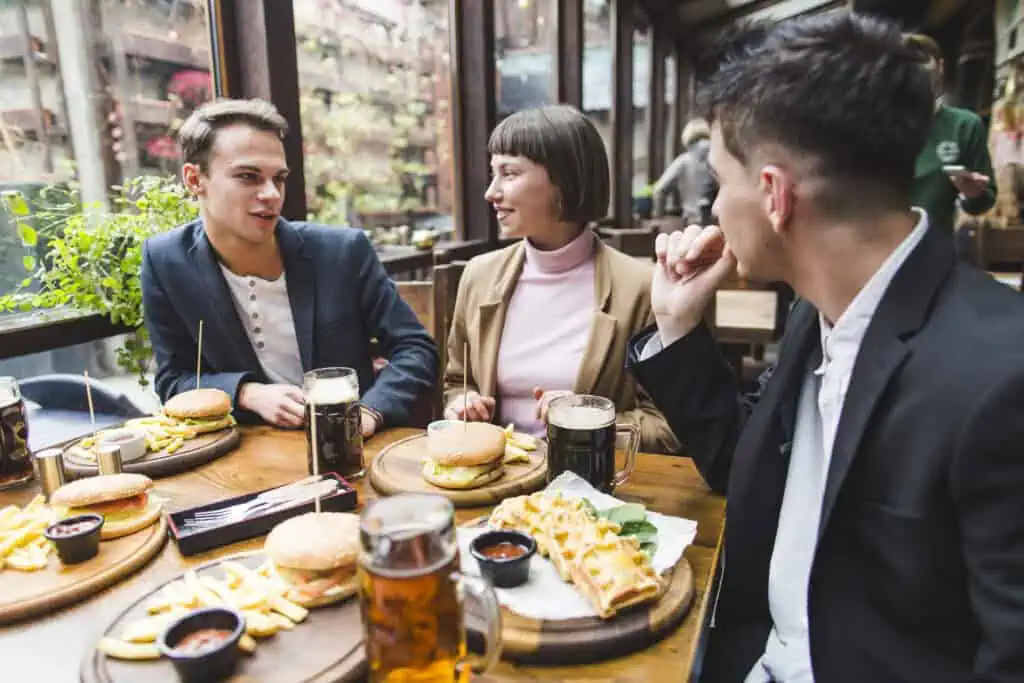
[368,422]
[544,399]
[971,185]
[691,265]
[475,407]
[281,405]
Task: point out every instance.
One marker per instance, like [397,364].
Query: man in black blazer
[276,298]
[875,526]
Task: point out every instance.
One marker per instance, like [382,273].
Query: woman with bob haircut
[553,313]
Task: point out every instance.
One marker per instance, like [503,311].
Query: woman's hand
[544,399]
[473,406]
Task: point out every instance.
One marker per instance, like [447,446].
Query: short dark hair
[924,46]
[844,89]
[199,131]
[567,144]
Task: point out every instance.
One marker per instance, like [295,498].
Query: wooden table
[51,648]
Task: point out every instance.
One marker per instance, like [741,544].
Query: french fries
[257,594]
[518,445]
[22,544]
[162,434]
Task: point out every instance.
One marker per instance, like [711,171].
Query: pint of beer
[332,400]
[15,460]
[581,438]
[410,593]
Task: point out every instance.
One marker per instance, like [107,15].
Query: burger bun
[466,444]
[198,404]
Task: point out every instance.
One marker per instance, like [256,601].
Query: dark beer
[339,438]
[15,459]
[334,422]
[581,439]
[413,622]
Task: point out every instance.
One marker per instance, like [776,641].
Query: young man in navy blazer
[875,531]
[276,298]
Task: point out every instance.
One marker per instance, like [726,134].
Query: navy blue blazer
[341,297]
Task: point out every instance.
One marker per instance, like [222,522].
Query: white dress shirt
[266,314]
[787,656]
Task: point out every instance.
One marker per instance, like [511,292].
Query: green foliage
[93,257]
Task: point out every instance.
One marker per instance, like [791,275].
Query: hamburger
[464,455]
[122,499]
[204,410]
[315,556]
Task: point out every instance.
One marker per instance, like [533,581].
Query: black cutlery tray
[208,538]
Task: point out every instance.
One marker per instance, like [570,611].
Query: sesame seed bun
[100,489]
[198,403]
[467,444]
[315,541]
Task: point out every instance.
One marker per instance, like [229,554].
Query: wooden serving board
[325,648]
[397,469]
[591,639]
[194,452]
[29,594]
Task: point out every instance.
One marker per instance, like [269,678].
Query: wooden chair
[999,251]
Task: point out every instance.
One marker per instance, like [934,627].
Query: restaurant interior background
[390,103]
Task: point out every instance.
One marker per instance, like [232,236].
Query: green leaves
[93,257]
[632,518]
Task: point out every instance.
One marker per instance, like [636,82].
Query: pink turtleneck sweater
[547,327]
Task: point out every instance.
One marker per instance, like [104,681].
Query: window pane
[524,53]
[597,66]
[92,96]
[376,120]
[641,78]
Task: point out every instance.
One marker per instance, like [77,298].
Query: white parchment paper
[545,595]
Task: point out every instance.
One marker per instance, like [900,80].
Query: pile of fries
[162,434]
[257,594]
[518,445]
[22,544]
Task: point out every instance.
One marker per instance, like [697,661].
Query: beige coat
[622,293]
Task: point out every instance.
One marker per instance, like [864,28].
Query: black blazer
[340,295]
[919,571]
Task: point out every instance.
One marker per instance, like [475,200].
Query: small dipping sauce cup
[77,538]
[203,644]
[504,556]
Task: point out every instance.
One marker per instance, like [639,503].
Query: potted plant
[91,258]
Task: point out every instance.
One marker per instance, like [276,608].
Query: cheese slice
[457,474]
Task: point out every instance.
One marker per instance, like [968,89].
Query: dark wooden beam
[660,47]
[474,111]
[255,56]
[569,74]
[622,113]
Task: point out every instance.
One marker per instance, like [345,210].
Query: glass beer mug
[411,593]
[332,400]
[15,459]
[582,437]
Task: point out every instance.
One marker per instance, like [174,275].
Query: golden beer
[409,591]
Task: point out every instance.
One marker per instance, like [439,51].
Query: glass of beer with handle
[332,400]
[15,460]
[411,593]
[582,435]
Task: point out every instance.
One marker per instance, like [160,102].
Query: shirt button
[252,283]
[258,330]
[252,297]
[255,315]
[259,345]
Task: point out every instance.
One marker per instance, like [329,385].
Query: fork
[291,494]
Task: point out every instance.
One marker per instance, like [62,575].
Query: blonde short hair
[695,129]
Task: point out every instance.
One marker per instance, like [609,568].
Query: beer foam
[580,417]
[332,390]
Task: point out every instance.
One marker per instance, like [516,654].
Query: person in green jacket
[954,167]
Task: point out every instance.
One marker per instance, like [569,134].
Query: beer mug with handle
[411,593]
[334,436]
[582,437]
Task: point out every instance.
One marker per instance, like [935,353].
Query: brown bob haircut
[923,46]
[199,131]
[566,143]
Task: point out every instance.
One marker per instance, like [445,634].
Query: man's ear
[193,179]
[778,198]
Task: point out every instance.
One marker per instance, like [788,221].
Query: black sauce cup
[213,664]
[504,573]
[80,546]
